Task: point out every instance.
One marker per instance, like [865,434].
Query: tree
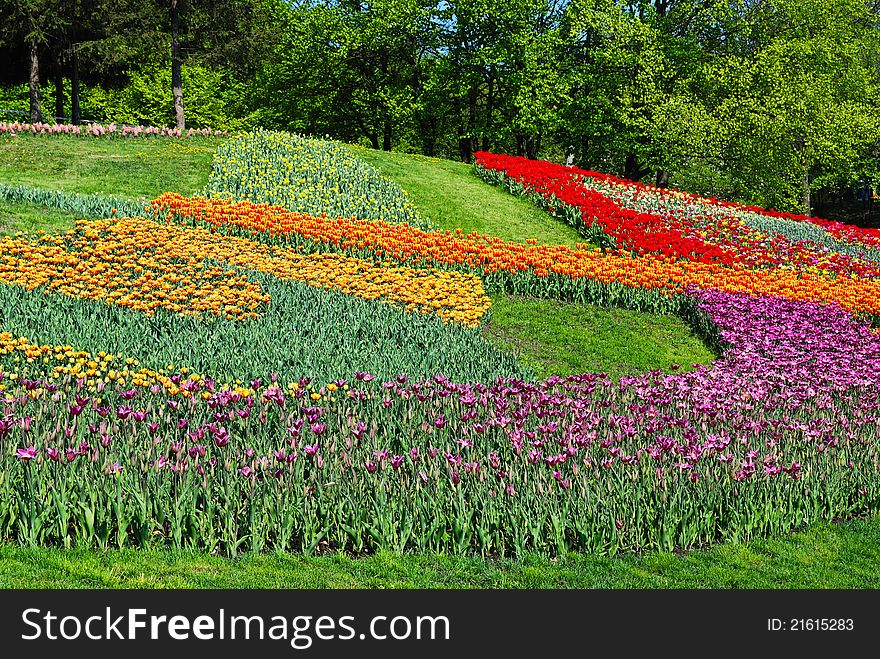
[352,69]
[797,90]
[31,24]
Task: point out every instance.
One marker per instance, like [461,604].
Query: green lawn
[128,167]
[28,217]
[825,556]
[447,193]
[553,337]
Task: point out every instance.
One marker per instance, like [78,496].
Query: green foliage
[799,104]
[16,99]
[351,69]
[211,99]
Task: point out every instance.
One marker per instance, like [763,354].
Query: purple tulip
[221,437]
[27,454]
[128,394]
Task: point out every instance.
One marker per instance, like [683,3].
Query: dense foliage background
[774,102]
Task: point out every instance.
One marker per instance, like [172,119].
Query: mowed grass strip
[551,337]
[843,556]
[447,193]
[127,167]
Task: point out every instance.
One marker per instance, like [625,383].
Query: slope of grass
[824,556]
[447,193]
[553,337]
[131,168]
[29,217]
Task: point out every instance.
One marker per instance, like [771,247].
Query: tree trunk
[527,146]
[632,169]
[75,117]
[374,140]
[176,66]
[662,180]
[428,130]
[583,157]
[805,198]
[386,134]
[490,108]
[34,83]
[59,93]
[465,151]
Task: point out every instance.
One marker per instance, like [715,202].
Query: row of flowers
[102,130]
[645,220]
[306,175]
[635,190]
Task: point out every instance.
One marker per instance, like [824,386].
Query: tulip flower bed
[645,220]
[796,241]
[104,130]
[779,433]
[316,177]
[304,330]
[143,265]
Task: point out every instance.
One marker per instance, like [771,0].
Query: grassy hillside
[127,167]
[447,193]
[553,337]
